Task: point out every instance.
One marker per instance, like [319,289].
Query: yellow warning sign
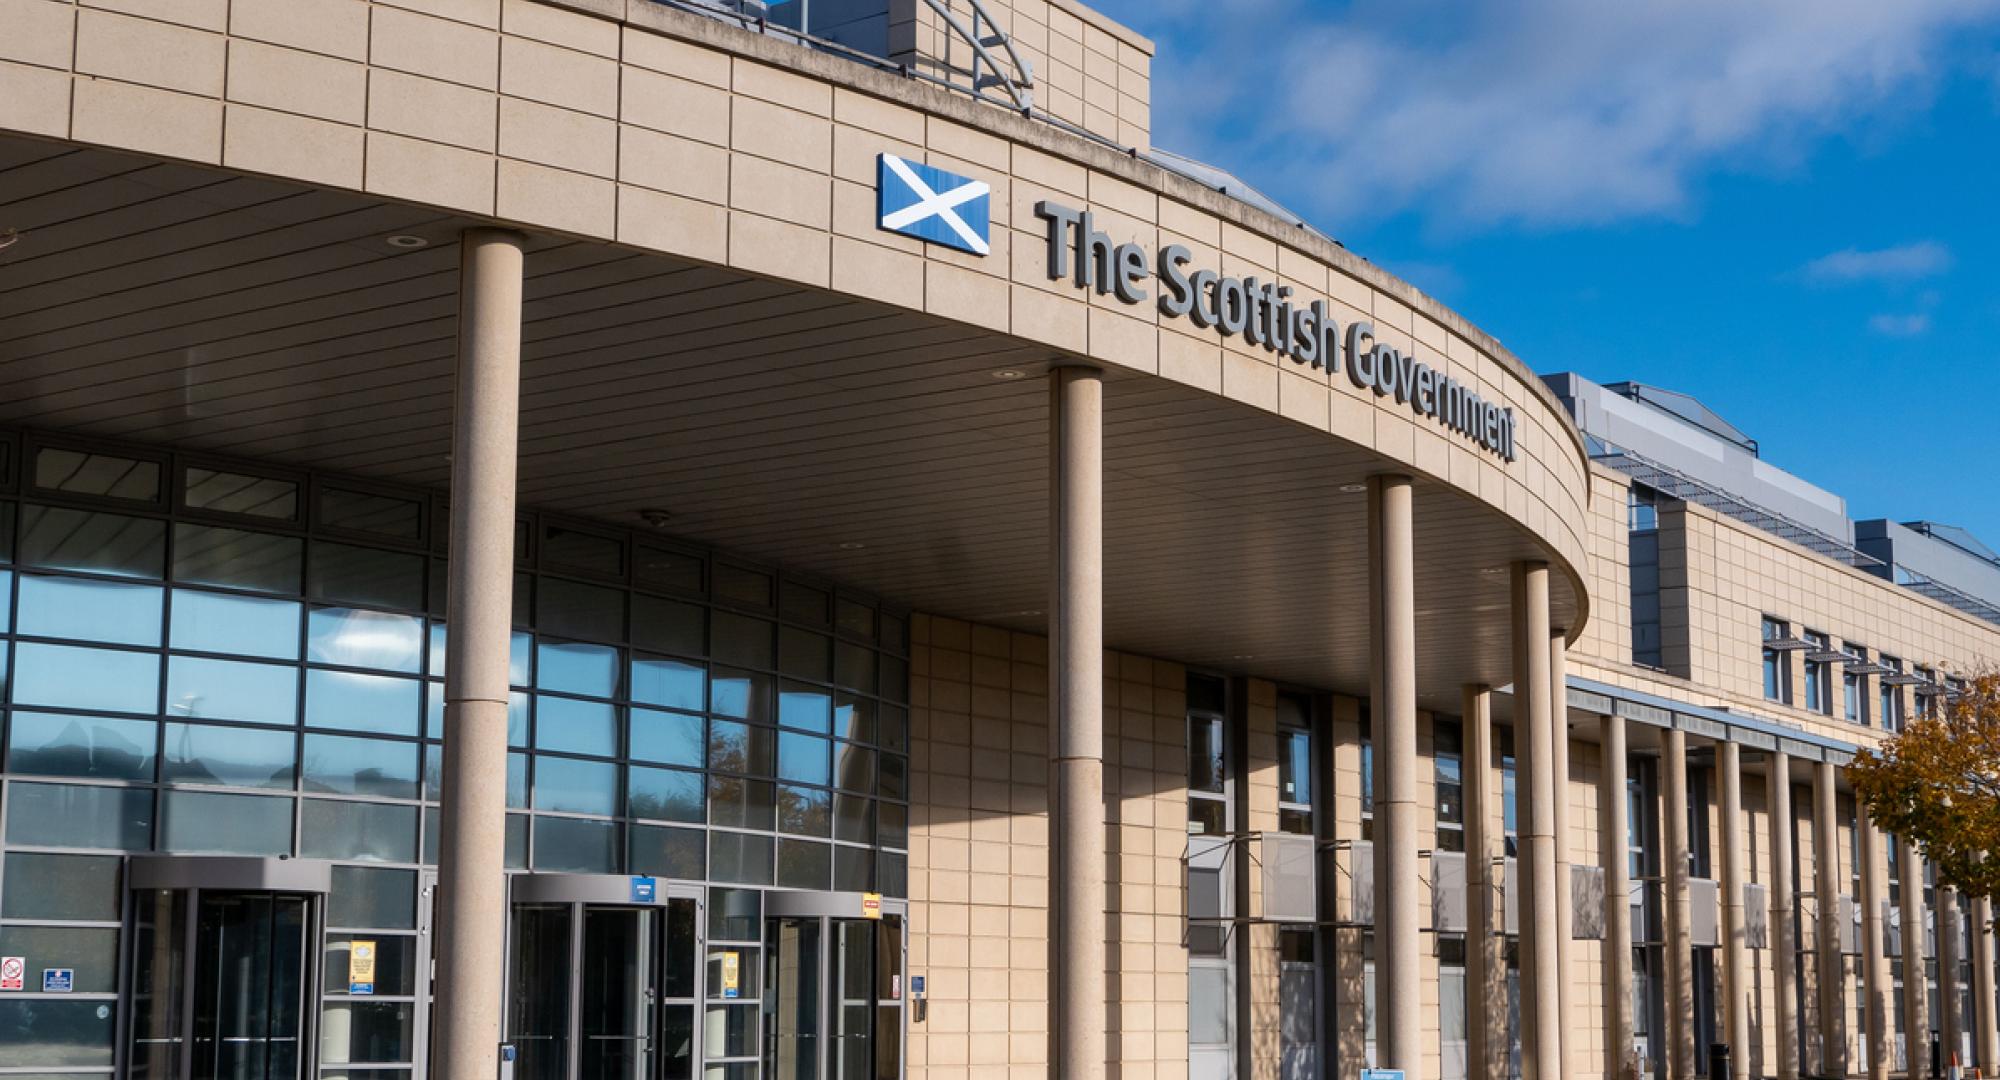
[871,905]
[732,974]
[361,967]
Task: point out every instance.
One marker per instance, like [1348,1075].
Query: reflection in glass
[236,493]
[80,678]
[234,558]
[572,668]
[372,898]
[92,953]
[669,626]
[675,684]
[742,858]
[740,748]
[576,845]
[341,573]
[803,865]
[804,654]
[739,639]
[55,1034]
[374,832]
[673,853]
[575,727]
[45,744]
[570,609]
[349,766]
[851,820]
[569,785]
[665,795]
[355,702]
[369,639]
[61,539]
[669,738]
[83,472]
[853,767]
[207,754]
[232,690]
[213,823]
[854,718]
[243,625]
[367,1031]
[42,885]
[805,708]
[802,758]
[89,610]
[741,694]
[853,869]
[742,804]
[807,811]
[369,511]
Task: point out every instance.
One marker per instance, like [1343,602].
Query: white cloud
[1925,258]
[1900,325]
[1537,111]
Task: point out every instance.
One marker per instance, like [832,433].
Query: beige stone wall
[979,855]
[1087,69]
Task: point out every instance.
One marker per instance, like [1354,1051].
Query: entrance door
[601,990]
[224,974]
[833,989]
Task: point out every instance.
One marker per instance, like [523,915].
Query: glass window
[740,748]
[805,811]
[198,687]
[671,853]
[802,603]
[228,756]
[344,765]
[234,558]
[739,639]
[572,609]
[368,1031]
[1777,663]
[740,694]
[79,678]
[47,744]
[854,619]
[677,570]
[575,846]
[670,738]
[244,625]
[803,864]
[236,493]
[370,898]
[742,858]
[805,708]
[60,539]
[371,512]
[1205,755]
[669,626]
[852,821]
[367,639]
[213,823]
[853,767]
[370,832]
[568,785]
[66,815]
[343,573]
[1295,766]
[570,668]
[520,654]
[804,654]
[665,795]
[737,803]
[355,702]
[892,824]
[575,727]
[45,1033]
[853,869]
[91,473]
[854,666]
[80,608]
[581,550]
[517,714]
[742,586]
[42,885]
[892,776]
[803,758]
[673,684]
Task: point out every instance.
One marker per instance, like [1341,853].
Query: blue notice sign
[643,890]
[58,980]
[917,985]
[1381,1074]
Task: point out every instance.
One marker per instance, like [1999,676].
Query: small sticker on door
[871,905]
[361,967]
[12,970]
[732,971]
[58,980]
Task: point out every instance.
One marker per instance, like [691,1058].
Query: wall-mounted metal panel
[1757,916]
[1361,871]
[1291,895]
[1644,714]
[1449,913]
[1755,740]
[1704,912]
[1850,926]
[1511,905]
[1600,704]
[1586,903]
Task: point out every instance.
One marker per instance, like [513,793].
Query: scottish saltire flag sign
[933,205]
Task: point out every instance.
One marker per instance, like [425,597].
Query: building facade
[610,538]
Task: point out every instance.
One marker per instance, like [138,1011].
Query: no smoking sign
[13,969]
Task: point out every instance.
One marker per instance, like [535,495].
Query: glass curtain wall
[228,658]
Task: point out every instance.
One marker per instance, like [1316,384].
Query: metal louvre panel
[1361,871]
[1704,912]
[1291,894]
[1449,914]
[1510,878]
[1586,903]
[1850,926]
[1892,928]
[1757,916]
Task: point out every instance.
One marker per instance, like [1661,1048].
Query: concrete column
[1680,931]
[1985,1038]
[1916,984]
[1614,833]
[1485,966]
[1828,963]
[472,873]
[1735,940]
[1400,892]
[1076,721]
[1534,750]
[1876,976]
[1949,1024]
[1784,931]
[1565,904]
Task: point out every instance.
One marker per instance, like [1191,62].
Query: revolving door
[833,986]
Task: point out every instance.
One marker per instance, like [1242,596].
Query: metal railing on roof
[1672,482]
[1946,594]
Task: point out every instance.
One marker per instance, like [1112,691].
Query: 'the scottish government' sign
[933,205]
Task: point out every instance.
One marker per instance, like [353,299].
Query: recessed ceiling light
[1494,570]
[655,517]
[8,238]
[1010,373]
[406,241]
[852,545]
[1243,656]
[1353,489]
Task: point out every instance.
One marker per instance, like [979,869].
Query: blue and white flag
[934,205]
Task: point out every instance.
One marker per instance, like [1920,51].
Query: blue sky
[1786,208]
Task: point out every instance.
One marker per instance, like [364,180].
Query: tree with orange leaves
[1937,784]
